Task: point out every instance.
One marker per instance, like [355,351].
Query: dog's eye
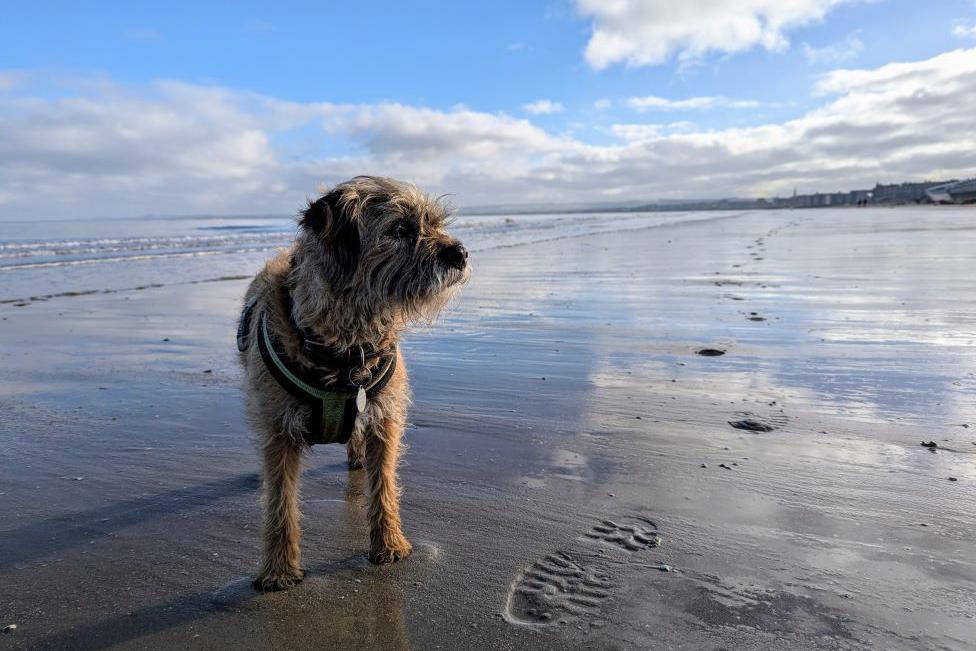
[402,229]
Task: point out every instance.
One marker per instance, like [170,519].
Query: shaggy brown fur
[371,256]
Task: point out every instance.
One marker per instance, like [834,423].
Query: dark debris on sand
[751,425]
[710,352]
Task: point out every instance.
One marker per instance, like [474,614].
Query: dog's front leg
[281,562]
[386,541]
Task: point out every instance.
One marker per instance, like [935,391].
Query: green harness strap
[333,409]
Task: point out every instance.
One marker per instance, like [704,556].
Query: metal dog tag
[361,400]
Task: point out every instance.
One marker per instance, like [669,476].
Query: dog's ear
[332,217]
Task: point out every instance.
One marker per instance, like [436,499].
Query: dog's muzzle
[454,256]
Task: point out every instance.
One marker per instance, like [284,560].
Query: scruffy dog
[318,340]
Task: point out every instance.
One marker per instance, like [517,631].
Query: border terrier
[318,342]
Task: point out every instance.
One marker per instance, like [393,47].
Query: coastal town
[898,194]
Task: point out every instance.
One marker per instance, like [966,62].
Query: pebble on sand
[710,352]
[751,425]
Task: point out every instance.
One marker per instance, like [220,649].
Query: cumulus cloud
[396,131]
[649,32]
[654,103]
[180,148]
[114,150]
[543,107]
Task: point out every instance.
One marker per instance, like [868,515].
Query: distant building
[903,192]
[953,192]
[964,191]
[891,195]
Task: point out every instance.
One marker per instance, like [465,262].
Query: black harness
[333,401]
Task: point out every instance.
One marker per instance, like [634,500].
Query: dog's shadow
[45,537]
[346,603]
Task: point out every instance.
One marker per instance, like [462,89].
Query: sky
[186,108]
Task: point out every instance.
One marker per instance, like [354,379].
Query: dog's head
[383,244]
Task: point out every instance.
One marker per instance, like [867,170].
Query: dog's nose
[455,256]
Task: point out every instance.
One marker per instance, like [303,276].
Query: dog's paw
[279,581]
[390,553]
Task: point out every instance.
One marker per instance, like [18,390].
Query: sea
[44,259]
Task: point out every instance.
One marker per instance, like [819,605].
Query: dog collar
[321,353]
[334,403]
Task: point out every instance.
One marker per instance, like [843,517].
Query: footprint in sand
[751,422]
[572,585]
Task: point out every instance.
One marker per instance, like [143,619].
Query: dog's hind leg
[354,449]
[281,560]
[382,447]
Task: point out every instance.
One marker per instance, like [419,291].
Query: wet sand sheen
[573,478]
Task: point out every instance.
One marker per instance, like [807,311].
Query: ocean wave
[119,251]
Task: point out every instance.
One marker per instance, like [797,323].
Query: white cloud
[602,104]
[106,149]
[396,131]
[653,103]
[543,107]
[956,69]
[964,31]
[842,51]
[649,32]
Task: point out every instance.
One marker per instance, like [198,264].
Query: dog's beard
[442,284]
[416,288]
[428,299]
[449,278]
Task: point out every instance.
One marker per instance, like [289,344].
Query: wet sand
[574,479]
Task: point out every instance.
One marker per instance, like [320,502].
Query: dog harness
[334,402]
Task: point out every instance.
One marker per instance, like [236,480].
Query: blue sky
[546,96]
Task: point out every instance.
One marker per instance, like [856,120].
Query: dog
[318,344]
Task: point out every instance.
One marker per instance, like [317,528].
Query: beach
[578,475]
